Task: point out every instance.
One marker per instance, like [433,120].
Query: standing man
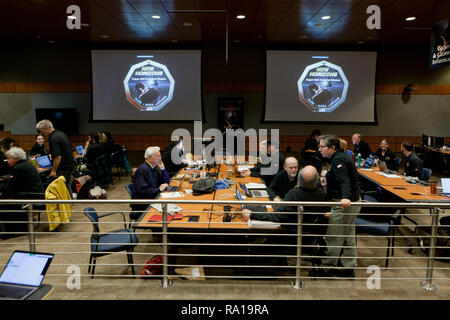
[360,146]
[284,181]
[413,165]
[61,151]
[151,177]
[342,186]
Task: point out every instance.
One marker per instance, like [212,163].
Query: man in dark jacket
[343,187]
[272,161]
[94,150]
[413,165]
[174,153]
[284,181]
[361,146]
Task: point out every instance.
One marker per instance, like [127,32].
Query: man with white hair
[24,176]
[61,151]
[151,177]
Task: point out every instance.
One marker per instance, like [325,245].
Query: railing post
[165,283]
[298,284]
[428,283]
[29,208]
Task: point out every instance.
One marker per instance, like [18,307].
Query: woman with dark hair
[38,148]
[108,142]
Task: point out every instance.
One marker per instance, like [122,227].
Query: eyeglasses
[321,147]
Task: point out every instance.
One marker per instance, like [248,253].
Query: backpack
[203,186]
[152,267]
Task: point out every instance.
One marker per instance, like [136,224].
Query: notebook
[254,208]
[79,149]
[23,274]
[44,162]
[445,182]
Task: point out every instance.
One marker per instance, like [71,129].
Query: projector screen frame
[145,48]
[374,122]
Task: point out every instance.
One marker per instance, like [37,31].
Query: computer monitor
[79,149]
[425,140]
[438,142]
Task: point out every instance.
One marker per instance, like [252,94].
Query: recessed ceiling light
[187,24]
[304,37]
[51,41]
[104,36]
[236,41]
[85,24]
[360,42]
[241,16]
[326,17]
[156,17]
[174,40]
[410,18]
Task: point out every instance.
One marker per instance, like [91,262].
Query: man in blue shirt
[151,177]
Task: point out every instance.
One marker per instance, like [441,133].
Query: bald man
[284,180]
[308,190]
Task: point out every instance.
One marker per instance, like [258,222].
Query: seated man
[272,160]
[94,149]
[413,165]
[24,182]
[361,146]
[284,181]
[308,190]
[151,177]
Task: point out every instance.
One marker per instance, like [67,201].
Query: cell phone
[193,218]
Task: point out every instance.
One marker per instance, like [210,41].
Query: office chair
[426,174]
[397,160]
[387,229]
[106,243]
[136,209]
[117,161]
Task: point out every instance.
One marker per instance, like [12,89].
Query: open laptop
[254,208]
[44,162]
[368,163]
[79,149]
[23,274]
[254,193]
[445,183]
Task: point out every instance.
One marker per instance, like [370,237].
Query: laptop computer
[79,149]
[44,162]
[445,183]
[254,208]
[254,193]
[23,274]
[369,162]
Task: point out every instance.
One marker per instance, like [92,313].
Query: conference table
[210,216]
[399,186]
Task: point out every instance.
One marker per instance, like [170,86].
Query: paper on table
[167,195]
[365,169]
[259,224]
[171,208]
[387,175]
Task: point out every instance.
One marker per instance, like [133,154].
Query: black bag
[442,240]
[203,186]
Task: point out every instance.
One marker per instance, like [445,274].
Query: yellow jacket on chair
[58,212]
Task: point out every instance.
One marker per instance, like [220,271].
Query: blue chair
[136,209]
[426,174]
[106,243]
[376,228]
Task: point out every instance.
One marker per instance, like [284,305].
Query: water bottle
[358,160]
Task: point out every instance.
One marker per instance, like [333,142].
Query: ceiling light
[51,41]
[85,25]
[360,42]
[156,17]
[104,36]
[174,40]
[241,16]
[410,18]
[326,17]
[236,41]
[187,24]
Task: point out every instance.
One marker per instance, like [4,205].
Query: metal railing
[284,252]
